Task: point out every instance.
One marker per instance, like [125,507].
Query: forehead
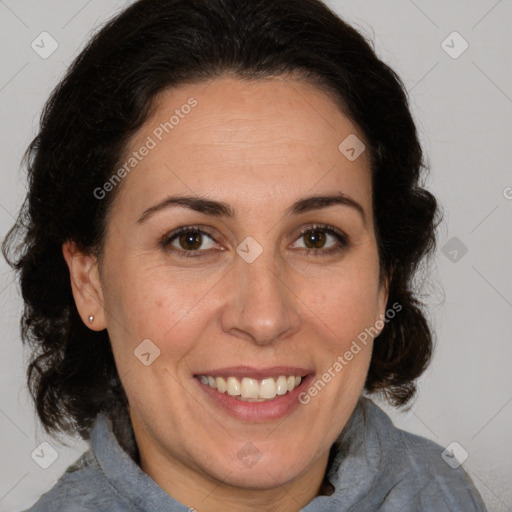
[247,142]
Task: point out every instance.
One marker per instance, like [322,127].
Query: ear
[85,284]
[382,303]
[383,296]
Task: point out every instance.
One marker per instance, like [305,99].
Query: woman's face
[242,245]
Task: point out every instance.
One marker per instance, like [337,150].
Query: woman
[222,227]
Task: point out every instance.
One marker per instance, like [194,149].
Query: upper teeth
[252,389]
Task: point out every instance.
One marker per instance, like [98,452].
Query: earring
[91,319]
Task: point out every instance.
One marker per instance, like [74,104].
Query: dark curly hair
[107,94]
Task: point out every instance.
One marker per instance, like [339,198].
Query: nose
[260,306]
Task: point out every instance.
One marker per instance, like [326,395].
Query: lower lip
[269,410]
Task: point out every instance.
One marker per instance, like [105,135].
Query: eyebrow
[317,202]
[198,204]
[221,209]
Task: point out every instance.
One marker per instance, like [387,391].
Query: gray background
[463,109]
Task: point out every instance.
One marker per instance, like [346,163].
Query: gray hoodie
[376,467]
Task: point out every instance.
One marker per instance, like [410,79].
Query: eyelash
[342,239]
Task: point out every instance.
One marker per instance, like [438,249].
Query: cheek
[345,302]
[157,306]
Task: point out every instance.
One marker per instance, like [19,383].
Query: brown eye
[321,240]
[188,240]
[314,239]
[191,240]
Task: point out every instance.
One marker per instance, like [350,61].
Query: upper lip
[256,373]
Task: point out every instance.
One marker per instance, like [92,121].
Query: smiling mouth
[252,390]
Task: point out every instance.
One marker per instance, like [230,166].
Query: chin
[252,469]
[261,478]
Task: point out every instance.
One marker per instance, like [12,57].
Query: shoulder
[82,488]
[439,480]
